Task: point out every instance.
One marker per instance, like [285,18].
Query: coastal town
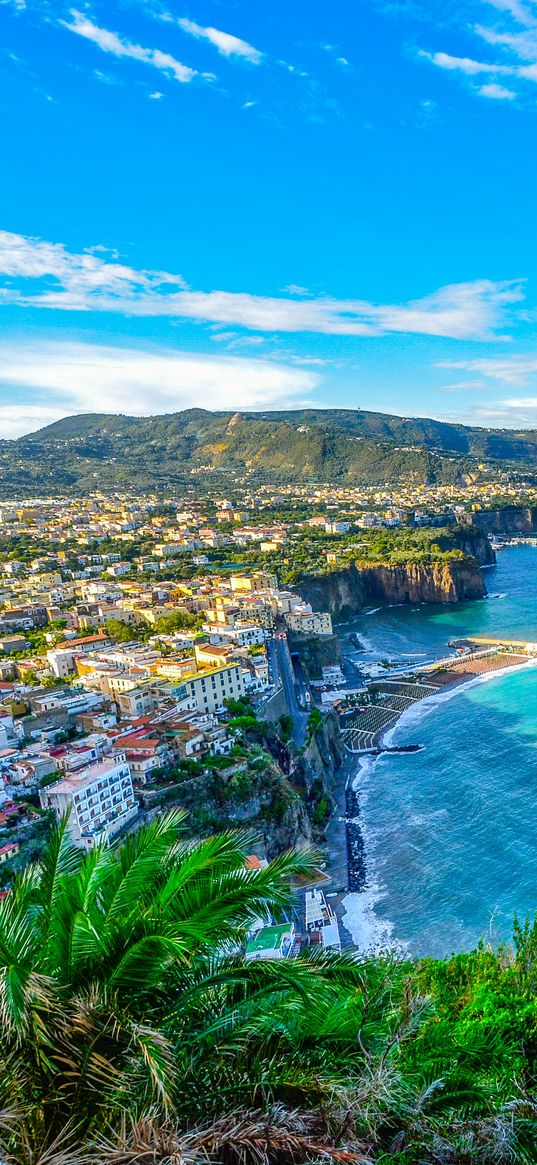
[148,647]
[268,583]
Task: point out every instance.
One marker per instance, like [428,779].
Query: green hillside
[341,445]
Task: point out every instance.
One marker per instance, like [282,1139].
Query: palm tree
[122,989]
[133,1031]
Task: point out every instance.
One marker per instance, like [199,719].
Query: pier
[518,645]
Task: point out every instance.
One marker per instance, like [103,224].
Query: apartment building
[309,622]
[61,660]
[240,635]
[99,799]
[208,689]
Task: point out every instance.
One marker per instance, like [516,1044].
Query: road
[274,671]
[301,683]
[287,675]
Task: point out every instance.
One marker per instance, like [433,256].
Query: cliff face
[511,520]
[316,652]
[262,799]
[283,796]
[321,757]
[346,592]
[314,773]
[472,541]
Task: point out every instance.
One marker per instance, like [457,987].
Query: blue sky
[231,204]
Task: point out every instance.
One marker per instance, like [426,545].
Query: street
[287,676]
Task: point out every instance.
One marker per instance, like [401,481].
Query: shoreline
[356,909]
[378,734]
[385,737]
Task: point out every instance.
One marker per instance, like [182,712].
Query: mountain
[103,450]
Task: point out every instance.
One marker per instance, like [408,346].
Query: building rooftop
[268,938]
[87,776]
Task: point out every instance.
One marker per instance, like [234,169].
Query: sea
[451,831]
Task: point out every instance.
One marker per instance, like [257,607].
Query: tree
[286,726]
[120,630]
[120,990]
[133,1030]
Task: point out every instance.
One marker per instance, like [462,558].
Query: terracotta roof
[253,862]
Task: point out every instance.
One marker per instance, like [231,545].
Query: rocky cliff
[316,652]
[260,797]
[473,541]
[510,520]
[346,592]
[314,770]
[284,797]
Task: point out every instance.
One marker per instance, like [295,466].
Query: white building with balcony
[100,800]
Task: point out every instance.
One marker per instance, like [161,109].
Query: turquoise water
[450,832]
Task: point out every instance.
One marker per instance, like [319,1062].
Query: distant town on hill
[80,453]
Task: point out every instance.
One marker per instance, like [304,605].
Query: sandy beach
[369,729]
[425,704]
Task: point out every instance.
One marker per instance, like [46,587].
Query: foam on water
[450,848]
[368,931]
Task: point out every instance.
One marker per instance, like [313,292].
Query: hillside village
[143,642]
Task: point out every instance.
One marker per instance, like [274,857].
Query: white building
[242,634]
[99,798]
[321,921]
[309,622]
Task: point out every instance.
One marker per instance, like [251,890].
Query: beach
[388,699]
[425,704]
[366,928]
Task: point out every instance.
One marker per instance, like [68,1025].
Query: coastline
[356,910]
[371,731]
[386,736]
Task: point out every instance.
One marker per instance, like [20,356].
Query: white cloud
[111,42]
[227,45]
[524,44]
[465,386]
[46,275]
[508,369]
[520,12]
[466,65]
[15,420]
[79,277]
[497,92]
[337,57]
[515,36]
[525,402]
[69,378]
